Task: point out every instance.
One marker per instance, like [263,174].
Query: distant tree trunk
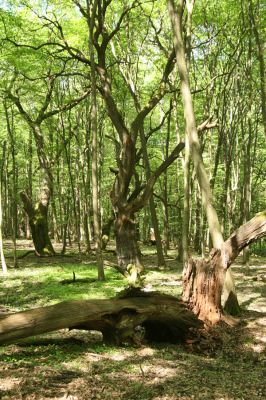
[91,12]
[260,57]
[10,131]
[3,261]
[67,148]
[166,230]
[29,155]
[106,231]
[38,223]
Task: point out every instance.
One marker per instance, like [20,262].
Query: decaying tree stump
[203,279]
[163,317]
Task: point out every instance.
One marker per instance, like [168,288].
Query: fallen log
[163,318]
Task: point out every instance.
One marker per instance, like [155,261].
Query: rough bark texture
[127,247]
[203,279]
[202,287]
[38,225]
[164,318]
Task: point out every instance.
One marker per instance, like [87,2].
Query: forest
[132,199]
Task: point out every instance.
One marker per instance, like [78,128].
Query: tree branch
[246,234]
[155,98]
[143,199]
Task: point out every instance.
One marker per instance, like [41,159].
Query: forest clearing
[132,199]
[226,363]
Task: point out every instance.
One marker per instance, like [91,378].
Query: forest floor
[226,364]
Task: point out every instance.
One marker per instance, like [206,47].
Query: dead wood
[163,317]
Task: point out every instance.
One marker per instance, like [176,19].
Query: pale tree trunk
[186,203]
[260,57]
[91,10]
[247,154]
[86,187]
[214,225]
[3,261]
[186,160]
[29,156]
[166,230]
[191,128]
[10,131]
[180,216]
[67,148]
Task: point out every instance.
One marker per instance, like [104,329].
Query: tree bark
[127,247]
[2,256]
[203,279]
[12,138]
[175,14]
[260,57]
[39,225]
[214,225]
[91,12]
[163,317]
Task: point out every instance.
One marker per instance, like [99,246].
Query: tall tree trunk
[247,145]
[91,11]
[2,256]
[186,160]
[191,128]
[10,131]
[260,57]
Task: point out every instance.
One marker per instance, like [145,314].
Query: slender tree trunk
[91,10]
[191,129]
[3,261]
[10,130]
[247,158]
[186,160]
[260,56]
[186,203]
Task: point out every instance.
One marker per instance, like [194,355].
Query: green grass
[38,282]
[77,364]
[41,285]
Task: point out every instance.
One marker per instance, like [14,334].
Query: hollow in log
[163,317]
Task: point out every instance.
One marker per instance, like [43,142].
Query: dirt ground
[227,363]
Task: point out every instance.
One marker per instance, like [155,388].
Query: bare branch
[141,201]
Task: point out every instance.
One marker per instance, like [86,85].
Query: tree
[91,15]
[38,214]
[3,261]
[207,302]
